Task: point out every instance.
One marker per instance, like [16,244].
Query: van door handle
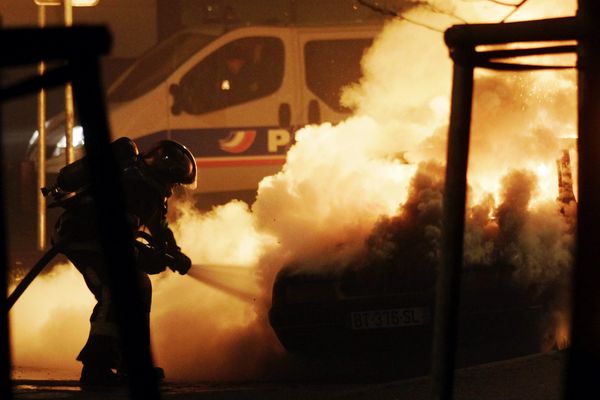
[314,112]
[285,115]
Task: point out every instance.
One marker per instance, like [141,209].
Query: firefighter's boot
[99,376]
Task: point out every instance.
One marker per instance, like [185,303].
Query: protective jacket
[77,232]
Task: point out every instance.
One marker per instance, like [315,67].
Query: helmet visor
[173,163]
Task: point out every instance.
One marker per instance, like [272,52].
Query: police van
[234,99]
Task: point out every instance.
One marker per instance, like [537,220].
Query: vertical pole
[455,187]
[584,354]
[5,360]
[69,113]
[116,235]
[41,176]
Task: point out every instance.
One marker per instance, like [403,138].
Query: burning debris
[566,196]
[532,245]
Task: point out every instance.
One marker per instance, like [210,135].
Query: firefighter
[148,181]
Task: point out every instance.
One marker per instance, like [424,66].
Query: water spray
[229,279]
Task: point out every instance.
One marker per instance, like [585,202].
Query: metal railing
[583,366]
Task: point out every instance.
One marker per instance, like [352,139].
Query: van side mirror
[175,92]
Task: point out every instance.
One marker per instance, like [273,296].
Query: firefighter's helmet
[172,163]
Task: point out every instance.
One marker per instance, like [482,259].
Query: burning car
[383,301]
[364,311]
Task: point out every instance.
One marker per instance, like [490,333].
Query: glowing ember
[563,334]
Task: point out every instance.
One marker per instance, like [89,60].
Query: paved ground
[528,378]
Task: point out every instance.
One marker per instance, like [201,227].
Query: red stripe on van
[241,162]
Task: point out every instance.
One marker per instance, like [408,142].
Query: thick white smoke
[338,181]
[49,322]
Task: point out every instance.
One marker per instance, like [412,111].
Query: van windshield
[157,64]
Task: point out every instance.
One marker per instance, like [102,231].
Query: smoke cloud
[49,322]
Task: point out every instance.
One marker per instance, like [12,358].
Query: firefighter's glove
[180,263]
[148,259]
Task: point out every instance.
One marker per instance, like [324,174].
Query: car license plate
[391,318]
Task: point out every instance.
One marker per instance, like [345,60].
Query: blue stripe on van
[227,144]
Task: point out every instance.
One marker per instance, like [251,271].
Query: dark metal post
[584,355]
[565,28]
[455,187]
[117,238]
[5,381]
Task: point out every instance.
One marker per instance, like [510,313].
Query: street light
[74,3]
[69,113]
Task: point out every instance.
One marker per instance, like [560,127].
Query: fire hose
[33,272]
[52,252]
[220,276]
[215,276]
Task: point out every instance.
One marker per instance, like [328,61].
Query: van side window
[240,71]
[158,64]
[332,64]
